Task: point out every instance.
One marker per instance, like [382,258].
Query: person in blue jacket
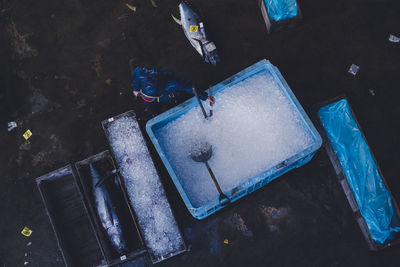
[161,86]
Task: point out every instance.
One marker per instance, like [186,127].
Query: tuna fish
[106,212]
[193,27]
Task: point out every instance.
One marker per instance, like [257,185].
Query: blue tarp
[360,170]
[281,9]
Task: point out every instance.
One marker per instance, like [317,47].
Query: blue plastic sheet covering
[360,170]
[281,9]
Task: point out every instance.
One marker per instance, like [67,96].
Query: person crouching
[161,86]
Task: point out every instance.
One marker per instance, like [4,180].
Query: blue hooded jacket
[160,85]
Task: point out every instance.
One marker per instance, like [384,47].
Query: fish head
[190,22]
[187,14]
[194,29]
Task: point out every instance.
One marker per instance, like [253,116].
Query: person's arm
[203,95]
[167,73]
[177,84]
[188,88]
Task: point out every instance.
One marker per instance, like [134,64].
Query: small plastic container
[278,25]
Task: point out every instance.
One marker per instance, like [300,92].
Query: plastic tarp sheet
[360,170]
[281,9]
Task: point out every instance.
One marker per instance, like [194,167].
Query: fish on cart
[193,27]
[107,213]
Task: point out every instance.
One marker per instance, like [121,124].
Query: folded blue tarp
[281,9]
[360,170]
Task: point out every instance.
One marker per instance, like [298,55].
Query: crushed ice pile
[144,188]
[254,127]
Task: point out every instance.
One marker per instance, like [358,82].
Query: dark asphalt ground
[64,68]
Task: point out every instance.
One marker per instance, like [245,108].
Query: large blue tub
[262,178]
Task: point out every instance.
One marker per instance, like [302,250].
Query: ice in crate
[254,127]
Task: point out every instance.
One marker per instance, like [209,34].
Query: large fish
[193,27]
[106,212]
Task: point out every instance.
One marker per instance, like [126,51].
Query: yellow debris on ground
[133,8]
[153,3]
[27,134]
[26,231]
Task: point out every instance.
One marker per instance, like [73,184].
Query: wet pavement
[64,69]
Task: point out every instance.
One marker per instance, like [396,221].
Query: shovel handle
[221,194]
[211,104]
[199,101]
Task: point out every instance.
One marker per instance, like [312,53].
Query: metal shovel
[202,153]
[211,104]
[199,101]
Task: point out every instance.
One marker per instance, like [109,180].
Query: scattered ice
[26,263]
[254,127]
[144,188]
[394,39]
[28,244]
[124,15]
[354,69]
[372,92]
[26,254]
[12,125]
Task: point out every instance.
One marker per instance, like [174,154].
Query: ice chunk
[353,69]
[254,127]
[372,92]
[144,188]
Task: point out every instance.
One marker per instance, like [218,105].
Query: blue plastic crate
[261,179]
